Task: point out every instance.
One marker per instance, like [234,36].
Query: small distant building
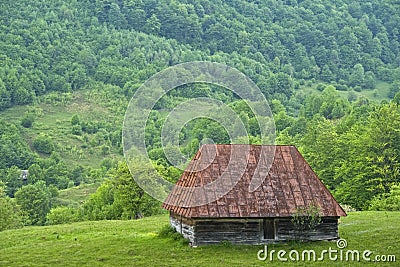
[24,175]
[244,216]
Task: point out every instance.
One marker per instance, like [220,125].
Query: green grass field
[377,95]
[76,196]
[136,243]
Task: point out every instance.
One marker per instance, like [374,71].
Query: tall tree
[11,215]
[35,200]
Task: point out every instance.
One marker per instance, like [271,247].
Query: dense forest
[329,69]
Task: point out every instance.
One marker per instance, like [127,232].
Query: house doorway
[269,228]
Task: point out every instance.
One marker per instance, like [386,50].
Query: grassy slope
[135,243]
[54,120]
[75,196]
[378,94]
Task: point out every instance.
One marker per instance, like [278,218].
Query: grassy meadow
[52,117]
[76,196]
[380,93]
[136,243]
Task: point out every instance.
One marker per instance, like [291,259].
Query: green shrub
[27,121]
[226,243]
[35,202]
[43,144]
[166,231]
[306,218]
[11,215]
[341,87]
[75,120]
[61,215]
[387,202]
[76,130]
[321,87]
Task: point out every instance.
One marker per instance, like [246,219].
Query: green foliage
[35,200]
[14,149]
[396,99]
[358,157]
[357,76]
[5,96]
[167,231]
[76,130]
[73,62]
[75,119]
[306,218]
[394,89]
[27,121]
[121,197]
[100,205]
[43,144]
[226,243]
[63,215]
[11,177]
[11,214]
[387,201]
[23,96]
[64,47]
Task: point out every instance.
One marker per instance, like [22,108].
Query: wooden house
[248,213]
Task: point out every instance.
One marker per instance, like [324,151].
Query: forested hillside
[63,45]
[329,69]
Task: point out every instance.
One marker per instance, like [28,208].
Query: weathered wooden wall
[248,230]
[327,230]
[236,231]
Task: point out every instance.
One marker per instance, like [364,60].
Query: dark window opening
[269,228]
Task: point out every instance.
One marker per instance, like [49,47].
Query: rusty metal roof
[249,181]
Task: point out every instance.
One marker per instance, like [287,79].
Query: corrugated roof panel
[213,209]
[233,209]
[288,184]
